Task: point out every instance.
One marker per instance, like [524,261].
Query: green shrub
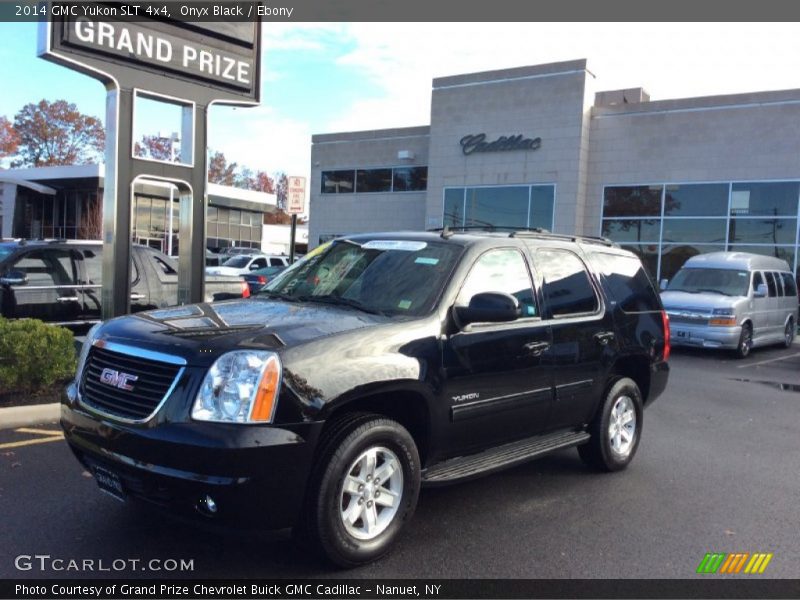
[34,355]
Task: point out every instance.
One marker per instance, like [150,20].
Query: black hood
[202,332]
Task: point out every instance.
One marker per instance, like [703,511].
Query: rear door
[773,305]
[761,325]
[582,332]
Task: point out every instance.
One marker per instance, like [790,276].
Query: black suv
[377,364]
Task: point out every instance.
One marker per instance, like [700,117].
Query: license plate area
[109,482]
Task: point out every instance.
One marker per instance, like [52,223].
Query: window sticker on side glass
[426,260]
[404,304]
[404,245]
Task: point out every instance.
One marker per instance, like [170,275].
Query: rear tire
[616,429]
[364,489]
[745,341]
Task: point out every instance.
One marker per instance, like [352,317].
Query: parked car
[59,281]
[378,364]
[732,300]
[245,263]
[259,278]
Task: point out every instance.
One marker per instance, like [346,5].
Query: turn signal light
[723,321]
[264,404]
[665,322]
[245,290]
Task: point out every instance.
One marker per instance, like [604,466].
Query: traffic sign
[296,195]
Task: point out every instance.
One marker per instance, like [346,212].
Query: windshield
[382,276]
[237,262]
[5,251]
[720,281]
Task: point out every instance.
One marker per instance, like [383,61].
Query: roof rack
[517,232]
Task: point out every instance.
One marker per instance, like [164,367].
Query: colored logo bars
[743,562]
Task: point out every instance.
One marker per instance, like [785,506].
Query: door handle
[67,299]
[604,337]
[536,348]
[138,296]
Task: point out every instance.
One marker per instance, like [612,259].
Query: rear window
[626,282]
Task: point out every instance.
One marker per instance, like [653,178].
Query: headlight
[87,345]
[240,387]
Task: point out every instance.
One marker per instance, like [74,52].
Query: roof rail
[520,232]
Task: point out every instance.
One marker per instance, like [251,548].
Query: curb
[20,416]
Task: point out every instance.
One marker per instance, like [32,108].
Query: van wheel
[364,489]
[616,429]
[745,341]
[788,334]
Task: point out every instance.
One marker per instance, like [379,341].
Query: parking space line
[31,442]
[38,431]
[763,362]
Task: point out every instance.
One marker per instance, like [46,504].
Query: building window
[666,224]
[373,180]
[338,182]
[508,207]
[366,181]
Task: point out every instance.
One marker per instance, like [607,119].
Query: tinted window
[567,287]
[770,284]
[338,182]
[632,230]
[410,179]
[626,282]
[765,198]
[778,283]
[373,180]
[788,284]
[632,201]
[763,231]
[258,263]
[275,262]
[500,271]
[757,280]
[46,267]
[695,230]
[237,262]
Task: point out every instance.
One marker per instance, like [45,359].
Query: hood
[200,333]
[702,301]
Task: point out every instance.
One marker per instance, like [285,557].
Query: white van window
[773,291]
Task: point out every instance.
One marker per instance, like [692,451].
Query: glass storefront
[666,224]
[514,206]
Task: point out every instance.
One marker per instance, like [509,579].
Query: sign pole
[291,239]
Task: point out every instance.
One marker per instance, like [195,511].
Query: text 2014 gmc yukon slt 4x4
[377,364]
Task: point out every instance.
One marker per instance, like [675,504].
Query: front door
[496,384]
[49,291]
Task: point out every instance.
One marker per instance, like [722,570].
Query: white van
[732,300]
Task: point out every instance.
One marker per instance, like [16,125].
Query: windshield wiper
[713,291]
[342,302]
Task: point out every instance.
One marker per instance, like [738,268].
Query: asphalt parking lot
[717,471]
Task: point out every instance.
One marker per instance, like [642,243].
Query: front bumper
[255,474]
[705,336]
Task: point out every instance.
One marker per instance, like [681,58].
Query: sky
[322,78]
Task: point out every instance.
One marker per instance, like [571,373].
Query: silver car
[731,300]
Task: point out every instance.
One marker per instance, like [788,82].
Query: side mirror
[662,285]
[761,291]
[489,307]
[14,278]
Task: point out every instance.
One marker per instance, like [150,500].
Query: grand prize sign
[191,64]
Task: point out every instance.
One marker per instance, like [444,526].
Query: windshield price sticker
[405,246]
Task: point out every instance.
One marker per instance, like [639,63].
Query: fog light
[210,504]
[207,505]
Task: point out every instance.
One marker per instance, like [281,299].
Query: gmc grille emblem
[117,379]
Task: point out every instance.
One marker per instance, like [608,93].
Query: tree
[8,138]
[57,133]
[156,147]
[219,171]
[281,189]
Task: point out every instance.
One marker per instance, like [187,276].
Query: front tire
[616,429]
[788,334]
[365,489]
[745,341]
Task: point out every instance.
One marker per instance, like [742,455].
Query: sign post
[191,65]
[295,205]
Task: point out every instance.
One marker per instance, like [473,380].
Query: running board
[501,457]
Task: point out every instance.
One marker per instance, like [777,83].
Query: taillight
[245,290]
[261,279]
[665,321]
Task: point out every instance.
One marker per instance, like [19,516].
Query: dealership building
[66,202]
[538,146]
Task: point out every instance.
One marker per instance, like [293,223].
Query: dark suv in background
[377,364]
